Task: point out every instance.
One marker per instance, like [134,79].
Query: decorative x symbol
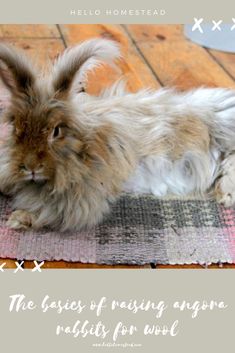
[19,266]
[2,267]
[216,25]
[197,25]
[37,266]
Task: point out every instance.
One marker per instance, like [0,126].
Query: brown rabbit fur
[61,171]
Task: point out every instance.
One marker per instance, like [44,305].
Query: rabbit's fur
[69,154]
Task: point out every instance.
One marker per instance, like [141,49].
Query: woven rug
[140,229]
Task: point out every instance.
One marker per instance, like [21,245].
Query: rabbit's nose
[31,168]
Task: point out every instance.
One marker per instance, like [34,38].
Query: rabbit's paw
[20,219]
[226,198]
[225,186]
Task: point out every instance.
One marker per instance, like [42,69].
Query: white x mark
[216,25]
[2,267]
[19,266]
[233,27]
[197,25]
[37,266]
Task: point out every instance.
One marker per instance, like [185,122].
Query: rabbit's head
[46,135]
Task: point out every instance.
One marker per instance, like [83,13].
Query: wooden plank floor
[154,56]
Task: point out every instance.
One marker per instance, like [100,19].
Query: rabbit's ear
[72,66]
[15,70]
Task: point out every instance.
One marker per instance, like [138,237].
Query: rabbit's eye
[11,118]
[56,132]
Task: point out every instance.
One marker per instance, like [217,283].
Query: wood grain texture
[10,264]
[226,60]
[176,61]
[155,33]
[29,31]
[40,50]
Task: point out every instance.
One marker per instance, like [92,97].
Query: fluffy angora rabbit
[69,154]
